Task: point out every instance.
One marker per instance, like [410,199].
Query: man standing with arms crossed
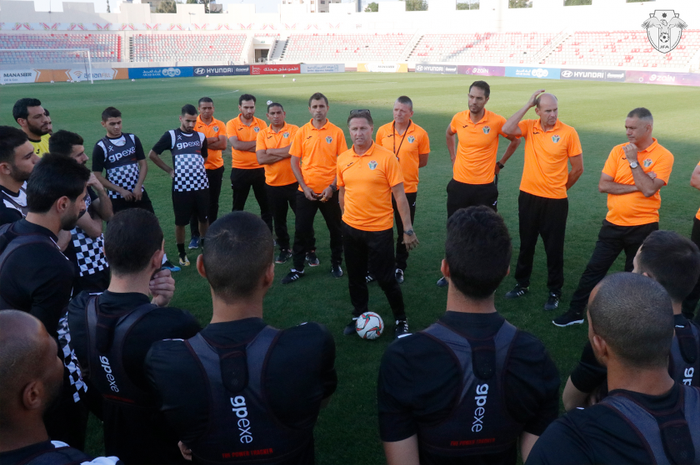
[315,151]
[411,145]
[633,175]
[215,131]
[368,177]
[243,133]
[474,162]
[35,123]
[543,204]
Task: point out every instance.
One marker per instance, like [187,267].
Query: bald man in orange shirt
[543,205]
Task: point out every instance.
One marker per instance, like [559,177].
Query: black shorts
[191,203]
[461,195]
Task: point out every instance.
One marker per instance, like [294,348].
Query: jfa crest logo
[664,29]
[372,165]
[556,139]
[647,163]
[329,139]
[216,128]
[256,129]
[486,129]
[411,139]
[285,135]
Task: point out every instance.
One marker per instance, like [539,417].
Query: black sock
[181,249]
[201,242]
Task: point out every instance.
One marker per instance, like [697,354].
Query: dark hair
[633,314]
[641,113]
[364,114]
[10,139]
[318,96]
[111,112]
[404,100]
[131,239]
[483,85]
[477,251]
[188,110]
[21,108]
[62,142]
[237,252]
[55,176]
[671,260]
[46,112]
[274,104]
[205,99]
[246,97]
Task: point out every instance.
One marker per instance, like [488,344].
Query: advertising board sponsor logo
[615,76]
[481,70]
[17,76]
[673,79]
[106,74]
[275,69]
[436,69]
[152,73]
[535,73]
[318,68]
[384,68]
[591,74]
[201,71]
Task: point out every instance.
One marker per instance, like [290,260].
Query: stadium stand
[103,47]
[189,47]
[346,47]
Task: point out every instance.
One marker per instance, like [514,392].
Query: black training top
[420,383]
[134,435]
[298,375]
[599,435]
[37,278]
[54,453]
[13,205]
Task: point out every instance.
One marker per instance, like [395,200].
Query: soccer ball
[133,80]
[284,75]
[369,325]
[269,102]
[207,75]
[294,80]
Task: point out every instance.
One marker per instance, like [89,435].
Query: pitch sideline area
[347,430]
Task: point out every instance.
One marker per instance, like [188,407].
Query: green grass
[596,110]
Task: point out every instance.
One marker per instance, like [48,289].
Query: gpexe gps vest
[684,363]
[241,428]
[675,439]
[479,423]
[105,353]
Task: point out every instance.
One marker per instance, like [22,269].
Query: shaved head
[546,99]
[27,354]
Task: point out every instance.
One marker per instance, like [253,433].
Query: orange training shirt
[278,173]
[475,160]
[546,158]
[244,133]
[368,180]
[408,148]
[635,209]
[215,129]
[318,150]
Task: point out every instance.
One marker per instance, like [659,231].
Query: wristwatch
[409,232]
[634,165]
[500,165]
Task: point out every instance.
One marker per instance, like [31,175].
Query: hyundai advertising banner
[153,73]
[593,75]
[205,71]
[533,73]
[436,69]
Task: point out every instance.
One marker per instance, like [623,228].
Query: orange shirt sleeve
[380,135]
[663,168]
[260,142]
[525,126]
[574,144]
[339,176]
[453,123]
[393,171]
[342,145]
[230,129]
[424,146]
[295,149]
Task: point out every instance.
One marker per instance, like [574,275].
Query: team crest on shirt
[486,129]
[329,139]
[216,128]
[556,139]
[411,139]
[372,165]
[285,135]
[647,163]
[256,129]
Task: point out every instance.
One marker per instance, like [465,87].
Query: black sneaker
[285,254]
[567,319]
[518,291]
[292,276]
[442,282]
[336,271]
[401,328]
[369,278]
[350,327]
[399,275]
[552,301]
[312,259]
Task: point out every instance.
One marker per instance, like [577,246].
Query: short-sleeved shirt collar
[369,151]
[538,125]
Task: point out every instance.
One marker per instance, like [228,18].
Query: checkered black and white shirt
[13,206]
[120,157]
[88,251]
[189,151]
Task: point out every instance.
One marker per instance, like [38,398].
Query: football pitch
[347,430]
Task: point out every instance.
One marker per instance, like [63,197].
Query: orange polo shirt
[368,180]
[546,158]
[477,149]
[408,148]
[318,150]
[278,173]
[634,209]
[244,133]
[215,129]
[697,215]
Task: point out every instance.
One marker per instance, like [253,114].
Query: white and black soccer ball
[369,326]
